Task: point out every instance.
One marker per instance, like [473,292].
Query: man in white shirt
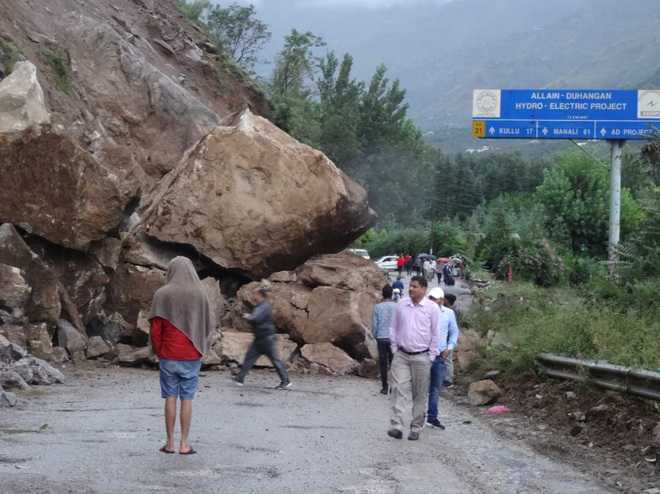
[448,329]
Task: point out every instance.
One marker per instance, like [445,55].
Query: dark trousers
[439,274]
[438,372]
[263,346]
[384,359]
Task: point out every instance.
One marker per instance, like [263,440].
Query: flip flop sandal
[166,451]
[189,452]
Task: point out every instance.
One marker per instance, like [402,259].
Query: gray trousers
[410,375]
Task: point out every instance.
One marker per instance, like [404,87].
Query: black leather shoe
[395,433]
[413,436]
[384,391]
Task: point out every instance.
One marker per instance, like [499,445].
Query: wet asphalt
[100,433]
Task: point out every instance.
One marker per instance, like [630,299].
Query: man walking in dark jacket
[381,320]
[265,339]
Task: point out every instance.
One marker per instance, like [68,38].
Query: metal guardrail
[618,378]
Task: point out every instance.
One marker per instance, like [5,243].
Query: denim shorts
[179,378]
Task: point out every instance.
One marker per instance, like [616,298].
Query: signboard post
[614,115]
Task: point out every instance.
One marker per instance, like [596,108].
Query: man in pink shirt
[415,338]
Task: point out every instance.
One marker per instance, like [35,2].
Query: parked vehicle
[387,263]
[360,252]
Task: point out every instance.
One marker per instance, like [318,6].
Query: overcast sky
[324,3]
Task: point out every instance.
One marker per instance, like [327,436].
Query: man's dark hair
[387,291]
[421,281]
[450,298]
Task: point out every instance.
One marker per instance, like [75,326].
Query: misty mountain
[441,50]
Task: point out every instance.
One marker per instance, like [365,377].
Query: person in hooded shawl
[181,322]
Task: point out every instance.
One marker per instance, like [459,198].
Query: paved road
[327,435]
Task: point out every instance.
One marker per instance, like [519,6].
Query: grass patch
[530,320]
[9,55]
[61,65]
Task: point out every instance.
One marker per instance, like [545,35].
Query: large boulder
[59,189]
[132,289]
[252,198]
[483,392]
[70,338]
[332,359]
[329,299]
[44,304]
[22,104]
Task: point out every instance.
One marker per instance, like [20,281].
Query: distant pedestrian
[400,263]
[415,340]
[448,330]
[398,284]
[181,322]
[381,320]
[408,264]
[448,275]
[438,271]
[265,339]
[450,301]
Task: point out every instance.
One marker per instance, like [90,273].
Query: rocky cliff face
[127,139]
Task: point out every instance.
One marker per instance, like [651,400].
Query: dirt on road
[100,433]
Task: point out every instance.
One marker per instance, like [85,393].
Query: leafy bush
[9,55]
[533,320]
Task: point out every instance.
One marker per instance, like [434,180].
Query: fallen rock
[483,392]
[132,356]
[341,317]
[211,359]
[70,338]
[59,355]
[7,399]
[10,352]
[11,379]
[234,346]
[14,290]
[39,341]
[59,189]
[368,368]
[331,358]
[14,334]
[39,371]
[45,304]
[216,300]
[132,289]
[344,270]
[97,347]
[312,313]
[22,102]
[257,200]
[597,411]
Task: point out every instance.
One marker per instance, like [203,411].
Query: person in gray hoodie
[265,339]
[381,321]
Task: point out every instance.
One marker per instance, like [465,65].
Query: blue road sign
[581,114]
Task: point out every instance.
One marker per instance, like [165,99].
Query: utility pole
[616,150]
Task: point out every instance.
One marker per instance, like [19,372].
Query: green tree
[239,32]
[295,65]
[193,9]
[575,195]
[339,98]
[383,111]
[291,87]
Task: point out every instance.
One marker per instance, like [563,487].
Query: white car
[387,263]
[360,252]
